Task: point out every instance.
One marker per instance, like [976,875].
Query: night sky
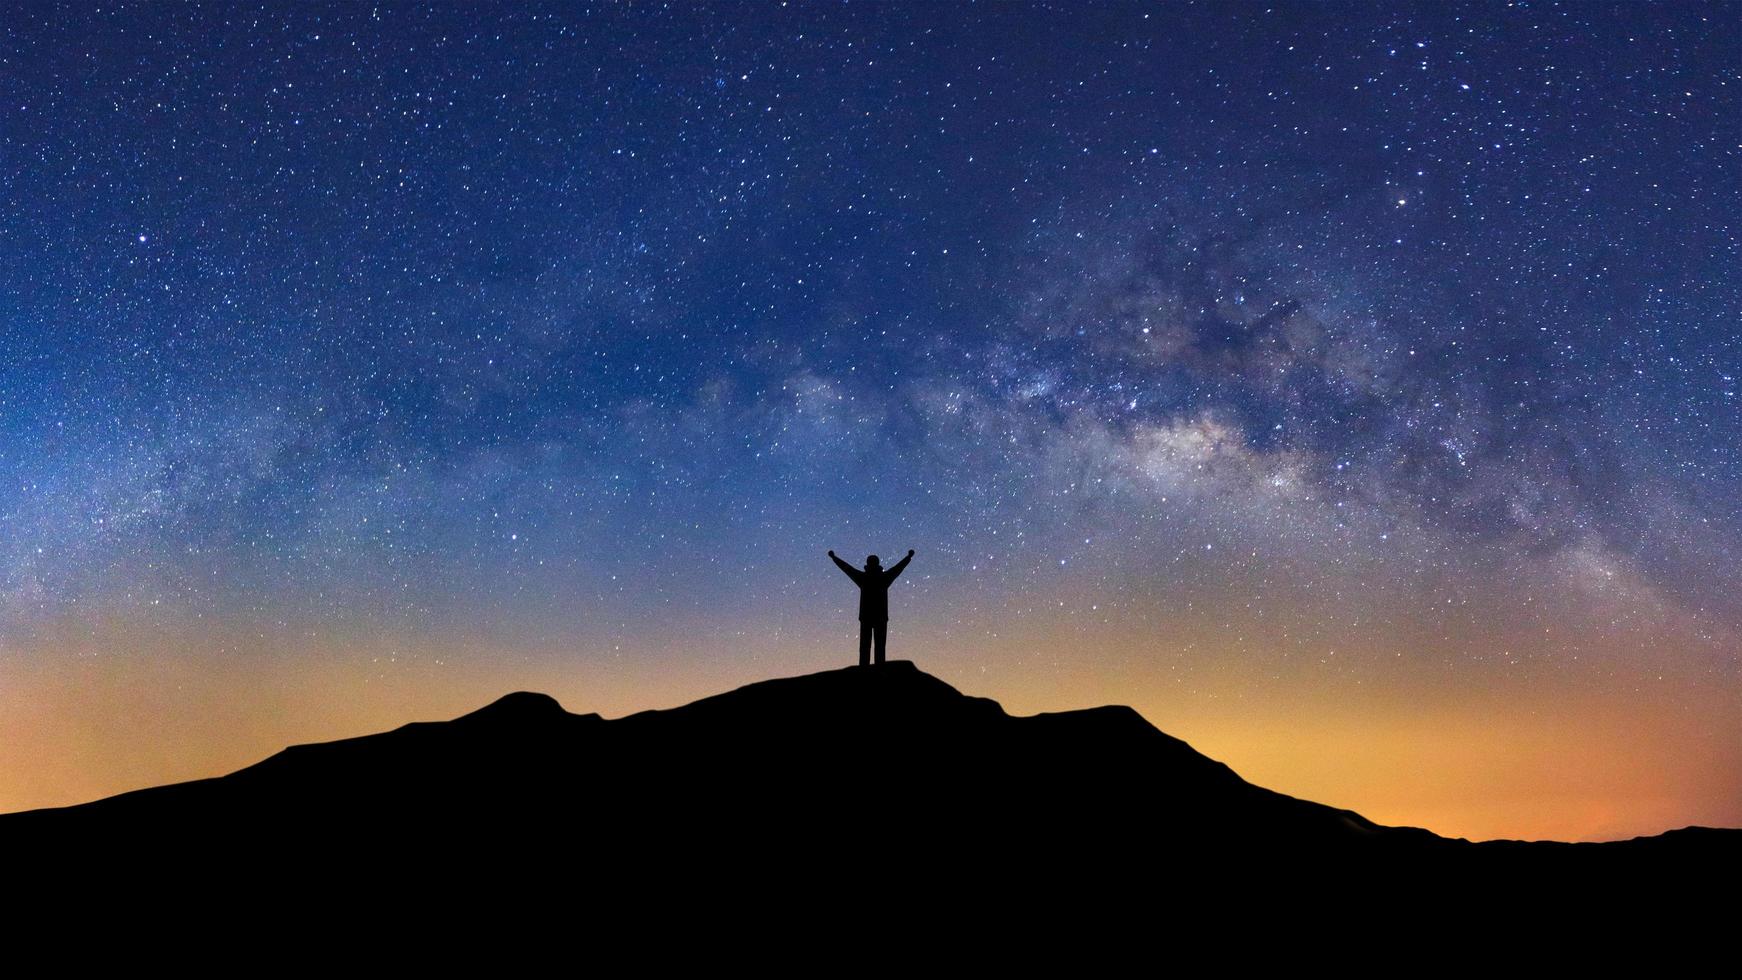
[1351,389]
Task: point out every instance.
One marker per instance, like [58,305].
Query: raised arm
[852,573]
[895,570]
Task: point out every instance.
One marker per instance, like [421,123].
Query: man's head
[872,562]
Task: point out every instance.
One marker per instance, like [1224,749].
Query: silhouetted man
[873,585]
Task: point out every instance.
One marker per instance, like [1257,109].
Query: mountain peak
[518,705]
[894,701]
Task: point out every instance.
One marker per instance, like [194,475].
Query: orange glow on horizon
[1571,755]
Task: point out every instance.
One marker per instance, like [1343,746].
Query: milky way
[1342,386]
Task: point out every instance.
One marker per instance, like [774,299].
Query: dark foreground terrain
[866,796]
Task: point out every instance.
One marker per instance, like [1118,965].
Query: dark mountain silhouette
[877,788]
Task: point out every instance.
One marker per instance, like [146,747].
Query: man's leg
[864,644]
[882,634]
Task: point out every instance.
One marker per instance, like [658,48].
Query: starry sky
[1350,388]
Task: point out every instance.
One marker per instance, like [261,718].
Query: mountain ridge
[884,769]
